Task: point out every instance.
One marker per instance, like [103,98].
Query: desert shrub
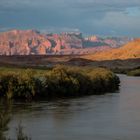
[61,81]
[17,85]
[7,83]
[74,81]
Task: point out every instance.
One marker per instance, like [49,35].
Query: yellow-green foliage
[61,81]
[135,72]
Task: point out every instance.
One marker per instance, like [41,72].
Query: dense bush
[61,81]
[17,85]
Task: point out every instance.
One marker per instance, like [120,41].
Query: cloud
[58,30]
[3,29]
[118,23]
[89,16]
[71,4]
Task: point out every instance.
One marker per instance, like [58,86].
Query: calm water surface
[113,116]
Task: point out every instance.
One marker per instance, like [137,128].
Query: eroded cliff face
[17,42]
[64,43]
[31,42]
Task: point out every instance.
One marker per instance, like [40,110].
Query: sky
[100,17]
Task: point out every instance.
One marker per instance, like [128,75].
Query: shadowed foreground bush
[61,81]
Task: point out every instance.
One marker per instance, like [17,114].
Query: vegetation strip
[61,81]
[135,72]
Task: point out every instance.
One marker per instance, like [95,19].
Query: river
[113,116]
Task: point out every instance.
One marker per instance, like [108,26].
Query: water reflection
[5,116]
[64,117]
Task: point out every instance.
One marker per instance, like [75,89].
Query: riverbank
[104,117]
[135,72]
[60,81]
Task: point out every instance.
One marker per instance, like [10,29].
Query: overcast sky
[101,17]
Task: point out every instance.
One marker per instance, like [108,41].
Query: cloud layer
[104,17]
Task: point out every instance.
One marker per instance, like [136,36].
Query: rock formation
[32,42]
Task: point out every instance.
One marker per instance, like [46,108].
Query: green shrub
[61,81]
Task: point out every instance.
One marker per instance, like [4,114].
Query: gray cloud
[89,16]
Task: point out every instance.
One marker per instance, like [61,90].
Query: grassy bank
[135,72]
[61,81]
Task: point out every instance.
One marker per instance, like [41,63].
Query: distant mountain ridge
[32,42]
[128,51]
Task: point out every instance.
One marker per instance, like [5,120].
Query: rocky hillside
[30,42]
[113,42]
[130,50]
